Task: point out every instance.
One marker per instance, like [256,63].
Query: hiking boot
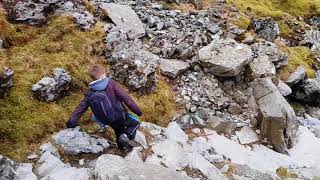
[124,142]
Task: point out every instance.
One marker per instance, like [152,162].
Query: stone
[225,58]
[134,155]
[125,19]
[135,67]
[53,88]
[152,128]
[262,67]
[284,89]
[314,112]
[234,108]
[32,157]
[74,141]
[297,76]
[221,125]
[245,172]
[315,21]
[267,29]
[175,133]
[247,135]
[10,169]
[141,139]
[6,82]
[312,40]
[84,20]
[308,92]
[71,173]
[213,28]
[112,167]
[173,68]
[1,43]
[278,121]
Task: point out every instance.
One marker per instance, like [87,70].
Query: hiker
[108,102]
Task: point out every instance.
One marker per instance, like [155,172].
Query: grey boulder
[6,82]
[312,40]
[297,76]
[74,141]
[125,19]
[53,88]
[262,67]
[277,120]
[11,170]
[112,167]
[225,57]
[173,68]
[284,89]
[221,125]
[267,29]
[308,92]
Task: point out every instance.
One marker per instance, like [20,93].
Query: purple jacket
[115,92]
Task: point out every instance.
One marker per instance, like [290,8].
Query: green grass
[277,8]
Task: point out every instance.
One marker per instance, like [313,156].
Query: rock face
[18,171]
[53,88]
[173,68]
[6,82]
[124,18]
[278,120]
[36,12]
[312,40]
[225,58]
[112,167]
[74,142]
[267,29]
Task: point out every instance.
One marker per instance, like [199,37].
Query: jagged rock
[152,128]
[225,57]
[141,139]
[74,141]
[314,112]
[312,40]
[134,155]
[262,67]
[297,76]
[246,135]
[114,38]
[308,92]
[135,67]
[10,169]
[284,89]
[221,125]
[6,82]
[315,21]
[36,12]
[173,68]
[53,88]
[267,29]
[271,50]
[112,167]
[175,133]
[125,18]
[235,109]
[278,120]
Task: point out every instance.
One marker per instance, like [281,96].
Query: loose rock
[173,68]
[297,76]
[10,169]
[6,82]
[312,40]
[267,29]
[246,135]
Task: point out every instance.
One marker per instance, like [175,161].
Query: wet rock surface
[53,88]
[6,82]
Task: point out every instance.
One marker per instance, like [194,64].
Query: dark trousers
[126,126]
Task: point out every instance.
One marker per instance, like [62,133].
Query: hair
[95,71]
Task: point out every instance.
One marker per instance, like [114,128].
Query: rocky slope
[248,97]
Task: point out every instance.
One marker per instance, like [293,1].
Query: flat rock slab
[125,18]
[74,141]
[112,167]
[225,57]
[173,68]
[247,135]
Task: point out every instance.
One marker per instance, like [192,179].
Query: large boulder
[6,81]
[312,40]
[173,68]
[36,12]
[225,57]
[125,19]
[135,66]
[308,92]
[74,141]
[10,169]
[53,88]
[277,118]
[267,29]
[112,167]
[297,76]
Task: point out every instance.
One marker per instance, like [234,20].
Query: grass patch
[242,22]
[278,8]
[284,173]
[32,53]
[159,107]
[298,56]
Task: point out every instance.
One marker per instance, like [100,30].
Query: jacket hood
[99,85]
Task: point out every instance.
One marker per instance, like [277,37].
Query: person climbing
[108,102]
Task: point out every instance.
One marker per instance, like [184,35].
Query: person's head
[97,72]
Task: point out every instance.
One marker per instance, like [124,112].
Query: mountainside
[229,89]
